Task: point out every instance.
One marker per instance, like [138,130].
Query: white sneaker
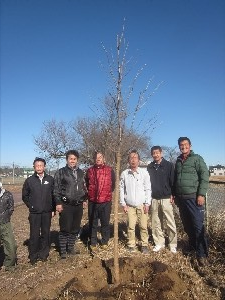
[158,248]
[173,250]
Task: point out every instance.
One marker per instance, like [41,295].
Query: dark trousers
[99,211]
[39,244]
[192,217]
[69,223]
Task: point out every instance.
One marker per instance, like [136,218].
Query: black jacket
[6,206]
[68,188]
[37,195]
[161,179]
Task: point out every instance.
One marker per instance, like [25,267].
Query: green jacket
[191,176]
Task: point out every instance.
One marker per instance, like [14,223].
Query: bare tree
[97,136]
[86,135]
[54,140]
[170,153]
[124,119]
[116,129]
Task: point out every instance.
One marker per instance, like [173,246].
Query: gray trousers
[9,244]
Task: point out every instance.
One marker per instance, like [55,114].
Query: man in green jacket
[190,187]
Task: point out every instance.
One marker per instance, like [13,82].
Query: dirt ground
[90,275]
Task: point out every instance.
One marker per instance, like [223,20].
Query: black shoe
[203,261]
[33,262]
[63,256]
[43,259]
[73,252]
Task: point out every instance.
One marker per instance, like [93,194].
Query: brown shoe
[93,248]
[203,261]
[104,247]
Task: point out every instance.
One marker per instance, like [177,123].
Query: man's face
[157,155]
[99,159]
[133,160]
[39,167]
[72,161]
[185,147]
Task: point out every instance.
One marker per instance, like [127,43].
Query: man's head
[184,145]
[39,165]
[134,159]
[99,158]
[156,153]
[72,158]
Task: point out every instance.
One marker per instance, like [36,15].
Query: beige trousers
[159,209]
[137,214]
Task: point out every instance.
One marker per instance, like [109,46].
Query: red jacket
[100,182]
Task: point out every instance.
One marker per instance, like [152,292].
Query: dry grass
[50,280]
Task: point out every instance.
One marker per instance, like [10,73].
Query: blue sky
[50,53]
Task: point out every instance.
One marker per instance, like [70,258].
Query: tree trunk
[116,208]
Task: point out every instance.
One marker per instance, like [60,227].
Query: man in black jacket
[37,194]
[70,193]
[161,174]
[6,233]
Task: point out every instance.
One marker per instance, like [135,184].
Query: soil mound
[139,279]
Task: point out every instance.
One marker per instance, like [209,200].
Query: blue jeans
[192,217]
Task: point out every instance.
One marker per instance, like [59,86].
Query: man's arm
[26,193]
[147,188]
[10,203]
[203,177]
[57,191]
[122,192]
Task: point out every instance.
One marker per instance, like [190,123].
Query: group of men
[154,189]
[158,188]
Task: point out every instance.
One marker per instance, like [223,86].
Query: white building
[217,170]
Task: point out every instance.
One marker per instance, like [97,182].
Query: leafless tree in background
[97,136]
[170,153]
[54,140]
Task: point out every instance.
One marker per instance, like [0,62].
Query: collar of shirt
[130,171]
[40,177]
[156,165]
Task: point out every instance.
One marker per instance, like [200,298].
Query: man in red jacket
[100,181]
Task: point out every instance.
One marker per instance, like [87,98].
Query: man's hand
[53,213]
[84,204]
[125,209]
[200,200]
[146,208]
[59,208]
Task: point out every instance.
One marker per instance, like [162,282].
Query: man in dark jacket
[100,181]
[70,194]
[37,194]
[6,233]
[190,187]
[161,174]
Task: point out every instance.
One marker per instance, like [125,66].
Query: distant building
[27,172]
[217,170]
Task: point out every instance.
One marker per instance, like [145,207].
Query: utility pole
[13,173]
